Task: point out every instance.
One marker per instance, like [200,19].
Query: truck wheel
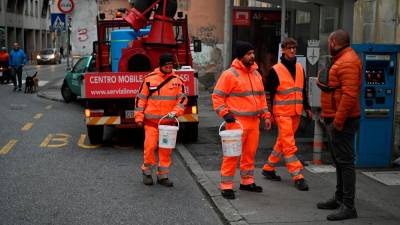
[95,134]
[190,132]
[67,94]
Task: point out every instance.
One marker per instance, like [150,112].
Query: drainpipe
[283,19]
[228,33]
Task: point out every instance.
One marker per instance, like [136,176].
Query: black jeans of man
[341,146]
[17,76]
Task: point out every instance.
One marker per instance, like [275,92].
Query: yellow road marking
[38,116]
[60,140]
[27,126]
[49,107]
[81,142]
[7,148]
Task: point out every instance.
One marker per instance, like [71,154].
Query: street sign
[65,6]
[58,21]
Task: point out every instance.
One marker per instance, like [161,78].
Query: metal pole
[68,40]
[228,33]
[283,19]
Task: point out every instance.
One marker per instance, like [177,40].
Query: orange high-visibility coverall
[150,109]
[240,91]
[287,108]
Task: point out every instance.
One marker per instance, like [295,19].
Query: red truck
[109,97]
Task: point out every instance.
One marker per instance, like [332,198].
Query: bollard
[318,142]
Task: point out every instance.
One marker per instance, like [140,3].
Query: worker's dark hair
[288,42]
[341,37]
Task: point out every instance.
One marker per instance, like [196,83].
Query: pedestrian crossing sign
[58,21]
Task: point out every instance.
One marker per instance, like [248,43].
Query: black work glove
[229,118]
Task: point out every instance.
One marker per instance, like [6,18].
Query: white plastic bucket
[231,140]
[167,134]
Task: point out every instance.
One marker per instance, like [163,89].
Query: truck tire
[67,94]
[95,134]
[189,132]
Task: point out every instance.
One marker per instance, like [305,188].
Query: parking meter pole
[318,140]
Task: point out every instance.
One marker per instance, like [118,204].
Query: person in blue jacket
[16,63]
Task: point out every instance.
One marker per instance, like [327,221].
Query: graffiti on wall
[207,34]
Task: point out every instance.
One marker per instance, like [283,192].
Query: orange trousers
[285,146]
[150,146]
[249,148]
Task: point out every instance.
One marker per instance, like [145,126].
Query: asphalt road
[49,174]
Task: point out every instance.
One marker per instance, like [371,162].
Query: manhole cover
[321,168]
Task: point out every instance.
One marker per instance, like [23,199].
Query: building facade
[26,22]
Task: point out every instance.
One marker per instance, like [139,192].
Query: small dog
[31,83]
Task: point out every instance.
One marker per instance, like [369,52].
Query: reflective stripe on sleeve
[220,93]
[181,106]
[142,96]
[219,109]
[139,109]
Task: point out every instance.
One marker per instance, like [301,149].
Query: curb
[224,207]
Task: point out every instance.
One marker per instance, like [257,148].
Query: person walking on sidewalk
[340,106]
[286,85]
[161,93]
[239,95]
[4,58]
[17,61]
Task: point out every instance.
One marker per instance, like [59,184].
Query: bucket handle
[165,117]
[236,121]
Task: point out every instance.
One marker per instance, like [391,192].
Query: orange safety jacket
[240,91]
[170,97]
[288,100]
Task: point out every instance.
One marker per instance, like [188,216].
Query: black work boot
[344,213]
[301,184]
[228,194]
[147,179]
[271,175]
[165,182]
[251,187]
[330,204]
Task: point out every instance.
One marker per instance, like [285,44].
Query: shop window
[302,17]
[20,6]
[10,6]
[44,9]
[31,8]
[329,21]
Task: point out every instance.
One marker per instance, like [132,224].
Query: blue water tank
[120,39]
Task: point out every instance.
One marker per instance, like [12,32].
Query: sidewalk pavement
[280,203]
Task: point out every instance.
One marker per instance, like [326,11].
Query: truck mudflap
[116,120]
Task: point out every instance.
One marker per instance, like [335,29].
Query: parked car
[71,87]
[48,55]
